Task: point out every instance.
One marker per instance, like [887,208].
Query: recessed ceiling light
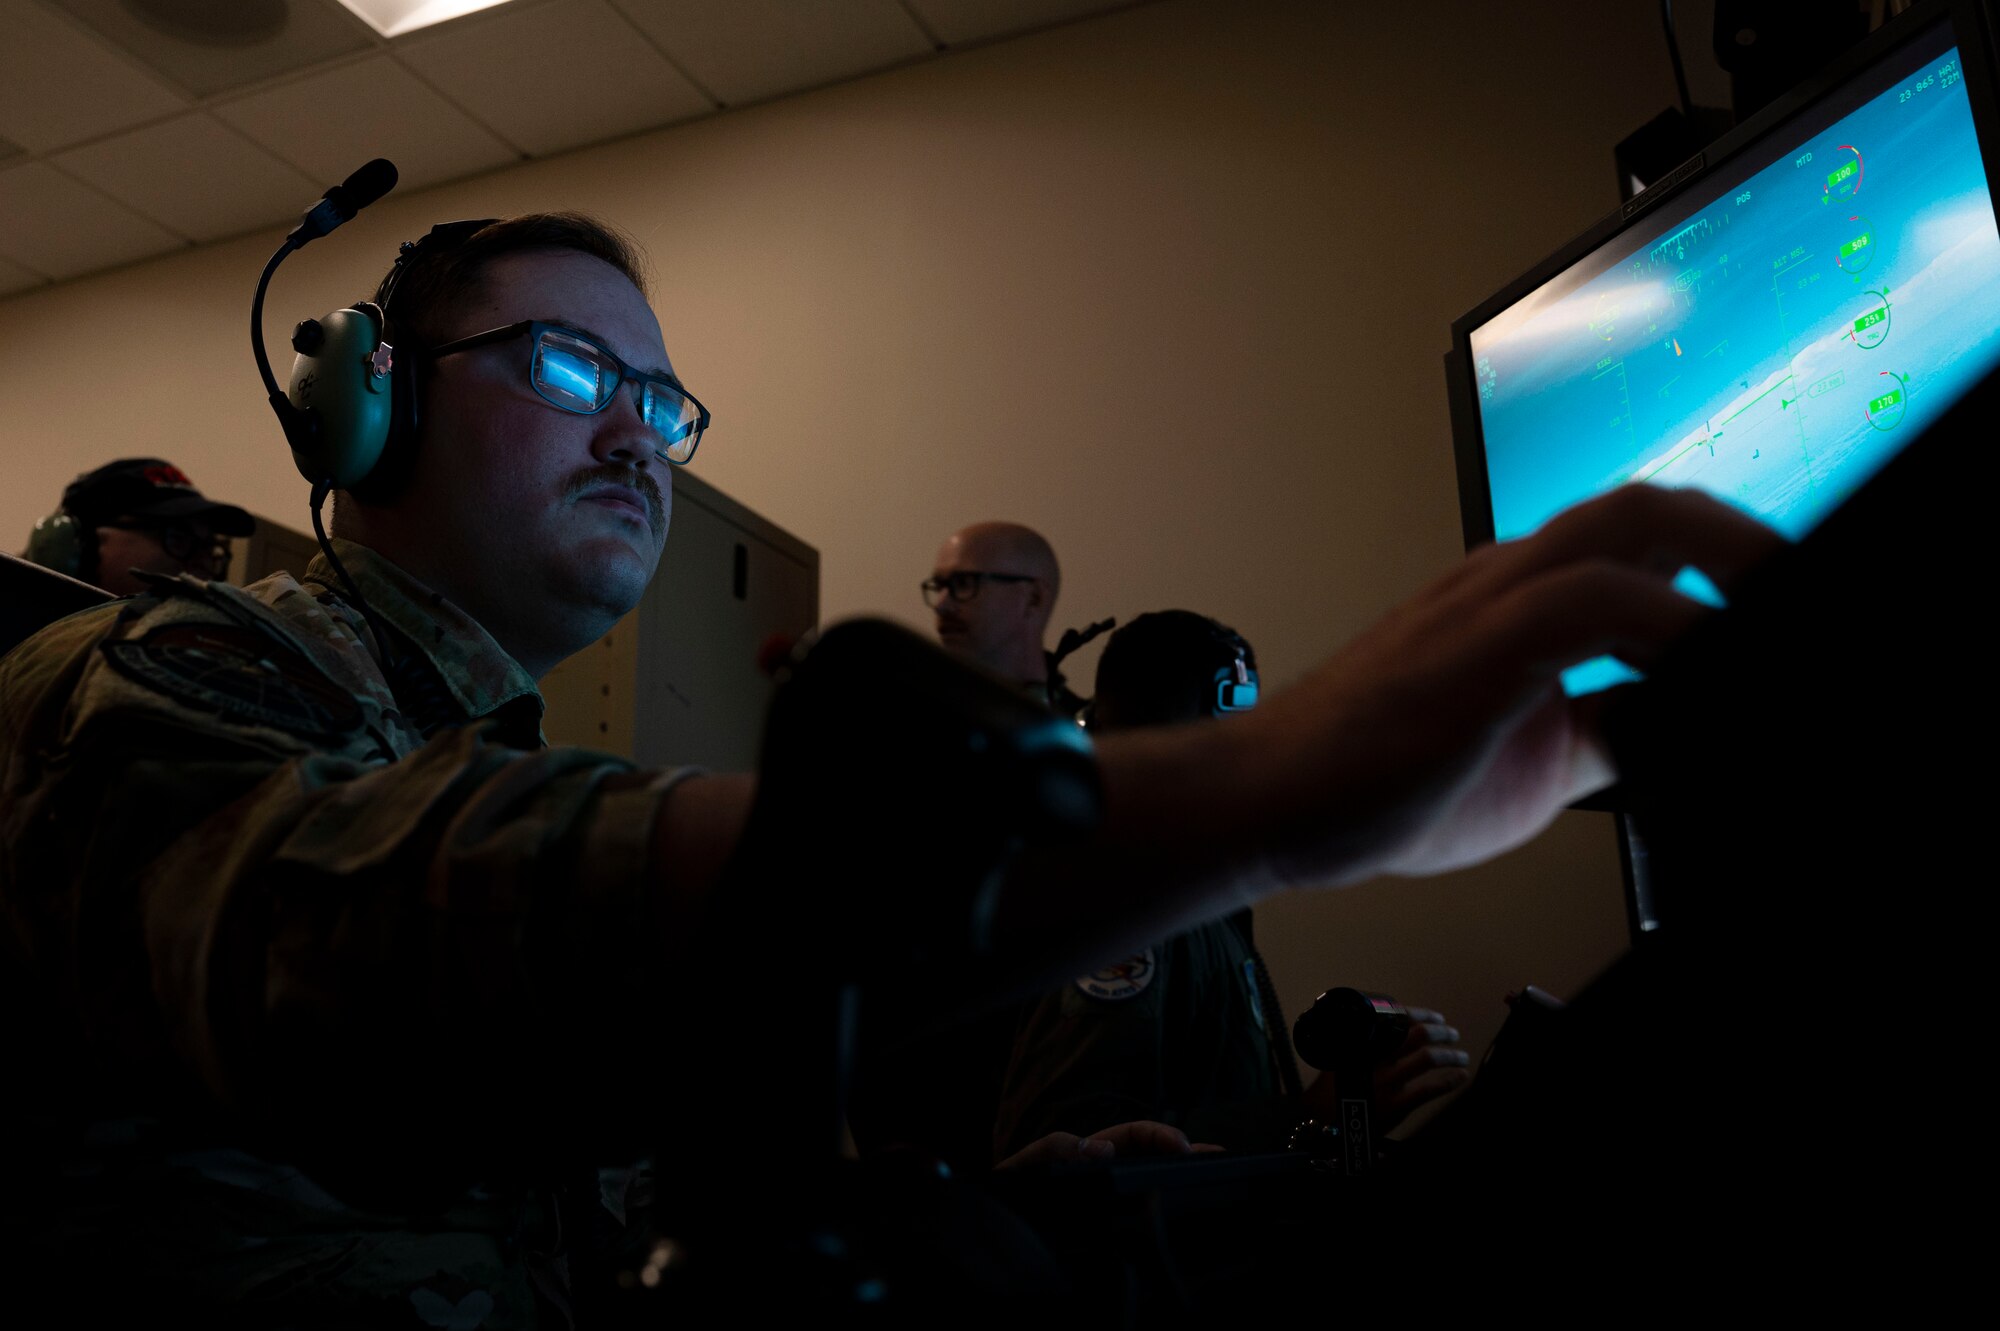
[394,18]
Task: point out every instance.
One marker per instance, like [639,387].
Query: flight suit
[1185,1033]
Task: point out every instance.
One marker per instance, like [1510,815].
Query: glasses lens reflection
[569,374]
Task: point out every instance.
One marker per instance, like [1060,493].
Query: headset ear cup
[340,382]
[61,542]
[399,450]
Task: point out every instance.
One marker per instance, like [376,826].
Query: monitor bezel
[1974,26]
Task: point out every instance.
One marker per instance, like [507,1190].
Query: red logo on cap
[167,474]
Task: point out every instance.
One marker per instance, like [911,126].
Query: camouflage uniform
[295,956]
[1178,1033]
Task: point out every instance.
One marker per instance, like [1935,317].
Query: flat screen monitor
[1771,323]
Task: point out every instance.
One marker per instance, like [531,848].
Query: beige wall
[1171,285]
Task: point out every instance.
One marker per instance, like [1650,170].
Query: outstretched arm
[1438,738]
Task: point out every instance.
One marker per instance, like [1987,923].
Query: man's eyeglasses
[195,548]
[570,371]
[963,586]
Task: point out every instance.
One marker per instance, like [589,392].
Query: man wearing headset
[1186,1032]
[289,884]
[133,516]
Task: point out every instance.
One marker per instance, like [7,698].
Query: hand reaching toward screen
[1441,736]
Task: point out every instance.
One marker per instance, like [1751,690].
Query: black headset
[1234,682]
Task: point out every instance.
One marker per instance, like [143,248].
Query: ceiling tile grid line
[397,48]
[175,172]
[759,49]
[54,13]
[668,56]
[55,224]
[278,158]
[457,105]
[124,136]
[923,25]
[372,45]
[218,100]
[329,125]
[556,76]
[61,83]
[112,201]
[15,243]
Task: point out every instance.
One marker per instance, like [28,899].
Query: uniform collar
[472,667]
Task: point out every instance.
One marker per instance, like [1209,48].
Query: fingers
[1428,1027]
[1429,1064]
[1645,527]
[1144,1137]
[1434,1033]
[1140,1138]
[1058,1148]
[1427,1056]
[1430,1086]
[1587,609]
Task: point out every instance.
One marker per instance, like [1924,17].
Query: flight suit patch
[1125,979]
[240,674]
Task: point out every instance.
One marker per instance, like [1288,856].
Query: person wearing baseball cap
[132,516]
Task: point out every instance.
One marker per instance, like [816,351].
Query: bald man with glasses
[993,590]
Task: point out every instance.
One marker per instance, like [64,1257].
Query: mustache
[592,477]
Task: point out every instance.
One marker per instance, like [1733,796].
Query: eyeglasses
[570,371]
[195,548]
[963,586]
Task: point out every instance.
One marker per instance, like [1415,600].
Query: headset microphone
[337,413]
[339,446]
[343,201]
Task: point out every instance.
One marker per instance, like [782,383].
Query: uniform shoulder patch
[1125,979]
[238,673]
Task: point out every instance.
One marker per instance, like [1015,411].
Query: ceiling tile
[195,176]
[14,278]
[957,22]
[555,76]
[747,50]
[279,38]
[328,124]
[59,85]
[56,226]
